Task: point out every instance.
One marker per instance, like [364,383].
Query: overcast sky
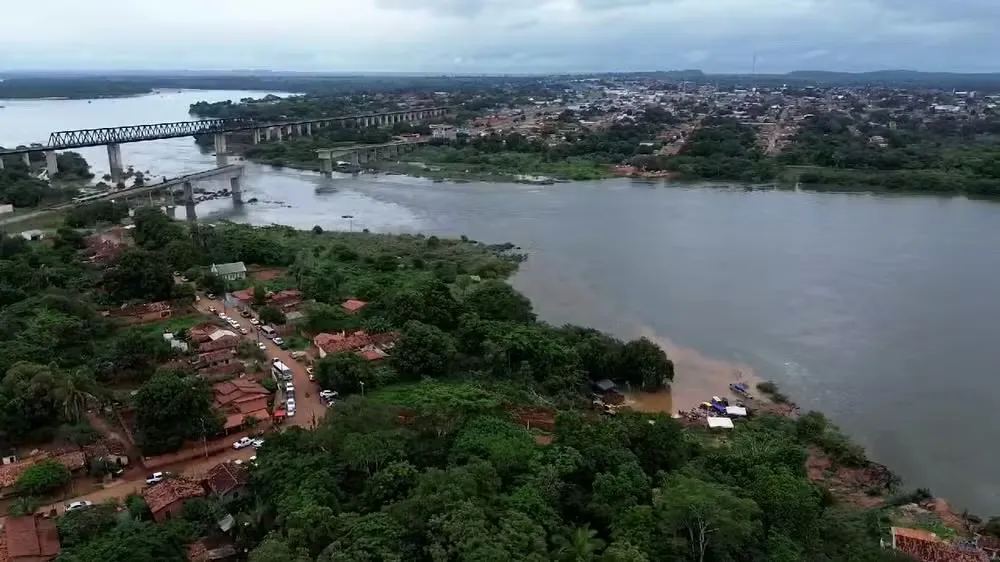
[502,35]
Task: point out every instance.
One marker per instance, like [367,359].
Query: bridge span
[114,137]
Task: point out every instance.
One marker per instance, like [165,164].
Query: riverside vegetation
[434,462]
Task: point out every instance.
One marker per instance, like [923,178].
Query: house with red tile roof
[226,480]
[225,342]
[166,499]
[372,346]
[29,539]
[239,399]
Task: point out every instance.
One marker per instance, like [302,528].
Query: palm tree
[75,391]
[582,545]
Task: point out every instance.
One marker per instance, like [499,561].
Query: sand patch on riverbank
[697,377]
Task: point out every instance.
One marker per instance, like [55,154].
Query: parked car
[279,342]
[212,309]
[327,395]
[244,331]
[78,505]
[261,346]
[312,375]
[243,442]
[257,443]
[255,322]
[210,296]
[290,406]
[156,478]
[290,389]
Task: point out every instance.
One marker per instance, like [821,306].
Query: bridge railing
[135,133]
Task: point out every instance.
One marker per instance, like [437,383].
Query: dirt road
[135,481]
[309,408]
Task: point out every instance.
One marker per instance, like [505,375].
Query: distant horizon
[13,73]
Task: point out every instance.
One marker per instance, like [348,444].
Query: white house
[230,271]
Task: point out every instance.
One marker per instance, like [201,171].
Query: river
[879,311]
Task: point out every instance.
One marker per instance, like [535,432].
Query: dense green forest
[941,156]
[721,148]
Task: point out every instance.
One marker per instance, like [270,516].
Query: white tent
[724,423]
[736,411]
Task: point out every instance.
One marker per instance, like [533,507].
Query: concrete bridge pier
[115,162]
[51,163]
[267,134]
[188,199]
[298,130]
[26,159]
[220,150]
[325,162]
[355,162]
[256,136]
[236,188]
[1,162]
[309,129]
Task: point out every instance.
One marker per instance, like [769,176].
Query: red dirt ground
[266,274]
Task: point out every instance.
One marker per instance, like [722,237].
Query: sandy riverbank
[697,377]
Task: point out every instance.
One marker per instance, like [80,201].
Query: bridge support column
[189,202]
[51,163]
[267,134]
[1,162]
[298,130]
[236,188]
[170,211]
[220,150]
[256,136]
[355,161]
[26,159]
[325,163]
[309,129]
[115,162]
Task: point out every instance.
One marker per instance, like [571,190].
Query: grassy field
[174,324]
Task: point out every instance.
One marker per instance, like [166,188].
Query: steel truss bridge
[65,140]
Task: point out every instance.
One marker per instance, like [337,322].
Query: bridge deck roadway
[64,140]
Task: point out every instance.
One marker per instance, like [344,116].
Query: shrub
[44,478]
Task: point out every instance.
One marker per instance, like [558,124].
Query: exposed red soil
[534,417]
[265,274]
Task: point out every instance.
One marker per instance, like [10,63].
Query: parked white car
[257,443]
[328,395]
[290,407]
[156,478]
[243,442]
[78,505]
[261,346]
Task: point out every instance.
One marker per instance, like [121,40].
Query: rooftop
[229,268]
[34,538]
[225,477]
[161,495]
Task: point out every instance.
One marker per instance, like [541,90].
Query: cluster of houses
[74,458]
[216,349]
[373,347]
[35,538]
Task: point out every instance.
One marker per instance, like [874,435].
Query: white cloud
[502,35]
